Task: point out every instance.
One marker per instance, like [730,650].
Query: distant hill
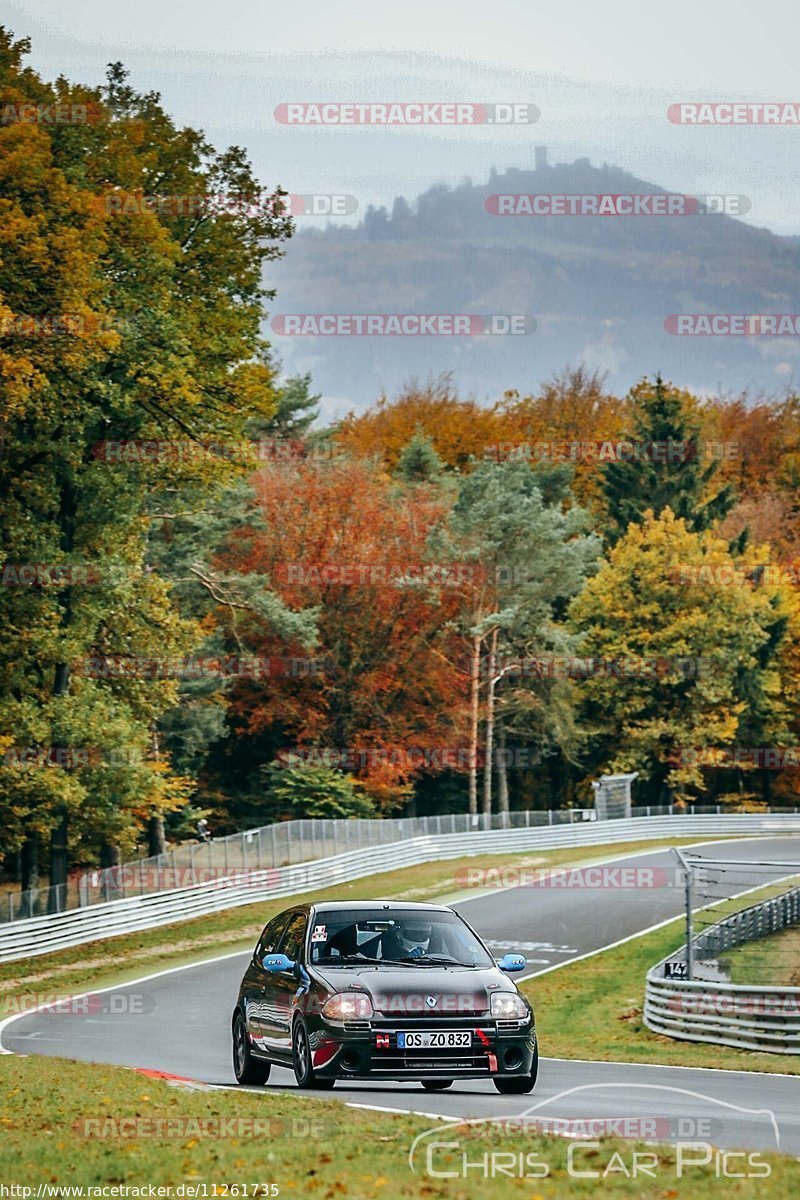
[599,288]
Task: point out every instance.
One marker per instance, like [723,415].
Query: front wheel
[520,1085]
[436,1085]
[246,1068]
[304,1071]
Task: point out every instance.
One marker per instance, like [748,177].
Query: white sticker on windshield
[319,933]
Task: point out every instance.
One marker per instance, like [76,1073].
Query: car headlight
[508,1006]
[348,1006]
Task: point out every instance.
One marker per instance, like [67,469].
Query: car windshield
[410,937]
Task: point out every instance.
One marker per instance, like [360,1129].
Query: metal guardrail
[280,845]
[277,845]
[47,934]
[729,1014]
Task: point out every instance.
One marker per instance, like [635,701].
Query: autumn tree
[348,545]
[673,627]
[459,430]
[122,322]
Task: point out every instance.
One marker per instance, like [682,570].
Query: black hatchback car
[377,990]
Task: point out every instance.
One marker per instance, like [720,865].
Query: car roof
[389,905]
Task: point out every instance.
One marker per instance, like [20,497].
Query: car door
[258,981]
[283,986]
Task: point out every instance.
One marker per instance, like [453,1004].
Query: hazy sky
[736,47]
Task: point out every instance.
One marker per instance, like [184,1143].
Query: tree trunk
[488,766]
[109,855]
[29,874]
[156,838]
[57,896]
[59,864]
[502,771]
[474,695]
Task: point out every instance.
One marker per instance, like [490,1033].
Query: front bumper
[370,1050]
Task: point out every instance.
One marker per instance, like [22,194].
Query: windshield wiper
[348,958]
[436,960]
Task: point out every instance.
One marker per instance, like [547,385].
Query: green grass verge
[143,1132]
[772,960]
[593,1010]
[115,960]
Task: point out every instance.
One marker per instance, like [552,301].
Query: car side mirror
[512,962]
[277,962]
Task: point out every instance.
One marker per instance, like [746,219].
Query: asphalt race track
[179,1022]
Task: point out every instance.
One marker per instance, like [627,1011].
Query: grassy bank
[774,960]
[84,1125]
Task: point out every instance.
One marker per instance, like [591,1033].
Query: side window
[269,938]
[292,941]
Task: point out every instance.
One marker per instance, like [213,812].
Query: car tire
[436,1085]
[304,1072]
[520,1085]
[246,1068]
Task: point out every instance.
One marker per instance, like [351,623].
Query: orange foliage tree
[343,539]
[459,429]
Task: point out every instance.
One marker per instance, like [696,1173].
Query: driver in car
[406,941]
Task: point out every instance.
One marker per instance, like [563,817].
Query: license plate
[444,1039]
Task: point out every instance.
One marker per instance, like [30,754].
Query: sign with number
[674,970]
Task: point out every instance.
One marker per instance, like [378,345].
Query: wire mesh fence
[283,844]
[270,846]
[742,921]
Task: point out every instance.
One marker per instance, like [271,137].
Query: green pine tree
[667,469]
[418,461]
